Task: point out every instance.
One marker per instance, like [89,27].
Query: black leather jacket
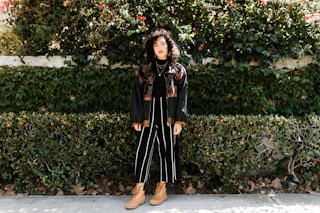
[176,90]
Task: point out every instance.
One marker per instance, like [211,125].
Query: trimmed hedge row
[213,89]
[67,90]
[59,151]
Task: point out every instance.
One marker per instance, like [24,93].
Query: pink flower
[316,17]
[307,17]
[263,2]
[230,2]
[304,1]
[102,6]
[4,5]
[142,27]
[140,18]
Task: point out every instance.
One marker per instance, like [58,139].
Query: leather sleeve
[136,113]
[182,86]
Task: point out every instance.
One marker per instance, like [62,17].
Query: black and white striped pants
[159,134]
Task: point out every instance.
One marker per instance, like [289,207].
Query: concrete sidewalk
[284,203]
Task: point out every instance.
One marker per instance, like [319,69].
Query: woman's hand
[137,127]
[177,128]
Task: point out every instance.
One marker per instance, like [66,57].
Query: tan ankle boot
[137,199]
[160,194]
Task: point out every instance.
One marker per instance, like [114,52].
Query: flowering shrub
[264,30]
[73,27]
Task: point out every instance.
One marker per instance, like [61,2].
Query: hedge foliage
[246,90]
[65,89]
[69,126]
[213,89]
[59,151]
[239,29]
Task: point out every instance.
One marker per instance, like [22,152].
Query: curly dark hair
[173,49]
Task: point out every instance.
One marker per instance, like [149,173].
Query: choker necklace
[161,67]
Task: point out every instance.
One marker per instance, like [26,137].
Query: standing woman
[158,112]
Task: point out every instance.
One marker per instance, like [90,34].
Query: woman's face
[160,48]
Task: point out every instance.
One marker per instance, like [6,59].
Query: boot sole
[156,204]
[134,207]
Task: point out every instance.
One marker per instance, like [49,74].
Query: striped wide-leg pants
[159,134]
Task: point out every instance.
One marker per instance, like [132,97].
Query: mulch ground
[109,186]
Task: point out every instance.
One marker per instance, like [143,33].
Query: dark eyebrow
[156,42]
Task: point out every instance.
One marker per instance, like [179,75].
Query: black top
[159,84]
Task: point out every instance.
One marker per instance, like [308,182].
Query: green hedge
[59,151]
[236,89]
[213,89]
[229,149]
[65,89]
[47,147]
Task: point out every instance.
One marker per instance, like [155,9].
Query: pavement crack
[277,203]
[274,200]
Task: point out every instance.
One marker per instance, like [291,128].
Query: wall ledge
[59,62]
